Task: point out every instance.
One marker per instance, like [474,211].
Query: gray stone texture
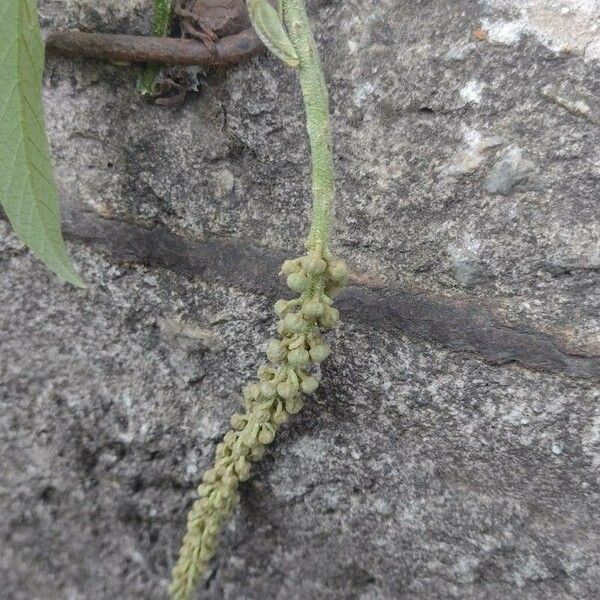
[467,146]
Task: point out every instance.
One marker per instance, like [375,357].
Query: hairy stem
[161,27]
[316,102]
[292,357]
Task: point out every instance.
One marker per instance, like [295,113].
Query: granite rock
[426,466]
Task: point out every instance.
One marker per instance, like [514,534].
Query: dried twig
[145,49]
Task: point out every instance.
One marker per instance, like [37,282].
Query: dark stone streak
[457,326]
[463,327]
[248,268]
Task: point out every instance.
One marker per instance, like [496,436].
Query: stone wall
[453,450]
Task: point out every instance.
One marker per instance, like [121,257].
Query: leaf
[27,189]
[269,28]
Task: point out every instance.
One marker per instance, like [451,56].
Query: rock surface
[453,450]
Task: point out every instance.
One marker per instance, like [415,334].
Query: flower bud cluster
[269,401]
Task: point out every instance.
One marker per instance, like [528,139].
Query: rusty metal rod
[146,49]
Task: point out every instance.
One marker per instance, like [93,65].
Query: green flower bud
[238,422]
[279,415]
[294,323]
[338,272]
[309,384]
[209,544]
[298,357]
[298,282]
[290,266]
[230,481]
[251,391]
[199,505]
[248,436]
[205,489]
[313,264]
[206,555]
[266,373]
[330,318]
[267,434]
[242,468]
[298,341]
[193,537]
[227,507]
[294,405]
[276,351]
[293,380]
[313,308]
[286,390]
[267,389]
[281,307]
[221,450]
[256,453]
[236,449]
[216,499]
[331,289]
[209,476]
[319,352]
[229,438]
[263,415]
[211,529]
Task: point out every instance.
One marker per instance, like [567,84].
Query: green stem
[161,27]
[277,392]
[316,101]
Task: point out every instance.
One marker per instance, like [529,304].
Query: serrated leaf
[27,189]
[269,28]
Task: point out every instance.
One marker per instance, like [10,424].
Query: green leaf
[27,189]
[269,28]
